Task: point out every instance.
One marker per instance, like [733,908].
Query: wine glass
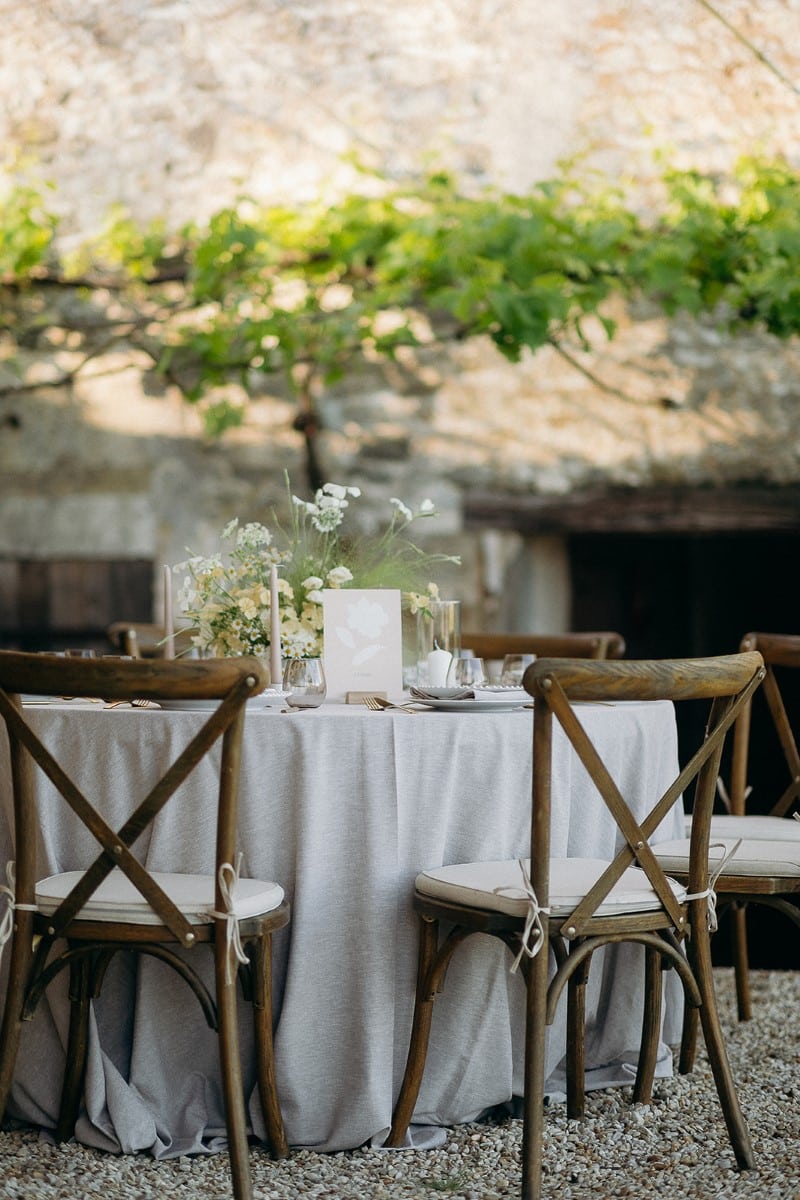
[304,682]
[514,667]
[466,672]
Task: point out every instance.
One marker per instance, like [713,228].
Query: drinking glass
[304,682]
[514,667]
[467,672]
[80,654]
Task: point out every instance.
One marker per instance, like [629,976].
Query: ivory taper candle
[169,626]
[274,630]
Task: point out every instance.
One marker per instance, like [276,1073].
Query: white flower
[315,596]
[402,508]
[334,489]
[339,575]
[312,582]
[253,536]
[427,506]
[326,519]
[229,528]
[416,601]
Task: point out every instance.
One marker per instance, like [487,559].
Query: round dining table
[343,807]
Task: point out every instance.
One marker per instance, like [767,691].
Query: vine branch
[759,54]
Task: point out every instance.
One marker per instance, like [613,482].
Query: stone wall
[173,107]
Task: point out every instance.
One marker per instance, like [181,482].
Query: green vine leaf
[306,292]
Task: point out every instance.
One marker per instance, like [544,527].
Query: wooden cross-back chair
[765,867]
[567,905]
[781,651]
[62,922]
[594,644]
[145,639]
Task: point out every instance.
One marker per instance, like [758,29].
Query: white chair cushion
[756,827]
[116,899]
[475,884]
[756,857]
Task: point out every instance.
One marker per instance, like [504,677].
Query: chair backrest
[727,681]
[781,651]
[231,681]
[595,644]
[143,639]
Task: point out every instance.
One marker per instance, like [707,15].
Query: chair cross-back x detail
[63,922]
[764,867]
[575,908]
[781,651]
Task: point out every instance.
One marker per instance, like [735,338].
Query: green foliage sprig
[27,229]
[309,290]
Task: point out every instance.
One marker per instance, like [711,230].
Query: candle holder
[438,628]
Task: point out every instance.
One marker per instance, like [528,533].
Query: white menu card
[363,650]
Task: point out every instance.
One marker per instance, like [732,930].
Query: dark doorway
[678,596]
[684,595]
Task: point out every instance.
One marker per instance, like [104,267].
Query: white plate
[255,703]
[501,705]
[502,692]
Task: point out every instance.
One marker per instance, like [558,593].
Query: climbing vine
[306,291]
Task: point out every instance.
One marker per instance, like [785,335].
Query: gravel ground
[676,1149]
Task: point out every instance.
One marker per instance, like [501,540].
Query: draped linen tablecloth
[343,807]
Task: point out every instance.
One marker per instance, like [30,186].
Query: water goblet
[514,667]
[304,682]
[467,672]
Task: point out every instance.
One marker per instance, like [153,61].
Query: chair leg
[533,1109]
[77,1048]
[717,1054]
[740,961]
[231,1072]
[651,1027]
[18,971]
[688,1049]
[576,1042]
[420,1035]
[261,951]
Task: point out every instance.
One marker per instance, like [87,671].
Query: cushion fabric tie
[8,893]
[709,893]
[228,878]
[532,935]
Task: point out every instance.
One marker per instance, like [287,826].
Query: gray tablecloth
[342,807]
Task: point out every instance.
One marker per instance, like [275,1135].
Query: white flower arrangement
[226,598]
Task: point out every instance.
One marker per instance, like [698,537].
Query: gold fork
[377,704]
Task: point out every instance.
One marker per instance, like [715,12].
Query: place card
[363,649]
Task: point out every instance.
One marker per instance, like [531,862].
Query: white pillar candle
[274,630]
[169,627]
[438,666]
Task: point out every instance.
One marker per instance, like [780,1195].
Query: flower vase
[438,628]
[304,682]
